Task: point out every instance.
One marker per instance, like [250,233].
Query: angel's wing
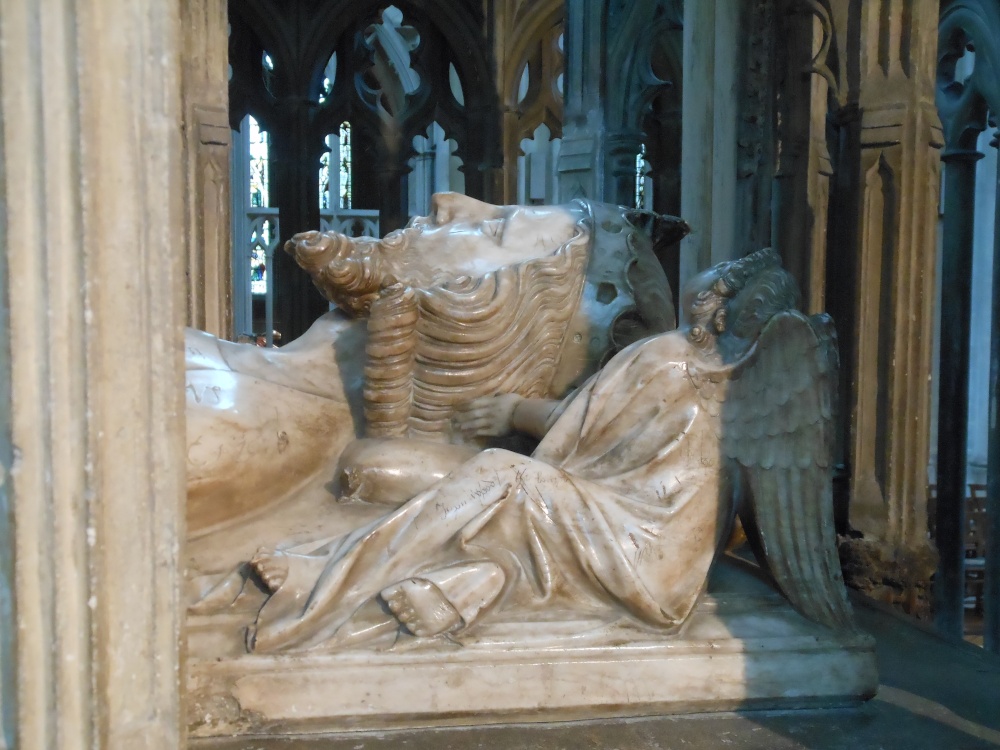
[777,423]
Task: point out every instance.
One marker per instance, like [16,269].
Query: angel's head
[768,290]
[737,297]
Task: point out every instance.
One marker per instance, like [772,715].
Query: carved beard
[363,267]
[349,272]
[353,282]
[431,349]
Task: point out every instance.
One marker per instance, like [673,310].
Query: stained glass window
[324,179]
[346,166]
[267,72]
[260,240]
[259,146]
[329,75]
[261,230]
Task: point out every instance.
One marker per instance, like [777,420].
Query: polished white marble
[743,647]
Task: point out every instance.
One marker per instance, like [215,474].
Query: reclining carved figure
[470,301]
[621,509]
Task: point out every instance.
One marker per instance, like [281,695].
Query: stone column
[991,593]
[581,166]
[482,155]
[619,171]
[885,232]
[953,385]
[802,161]
[968,99]
[393,180]
[708,134]
[511,151]
[92,442]
[206,142]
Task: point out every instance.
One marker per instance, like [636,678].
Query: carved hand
[489,416]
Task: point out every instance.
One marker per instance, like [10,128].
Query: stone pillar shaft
[207,223]
[296,146]
[991,593]
[93,447]
[619,176]
[896,185]
[581,168]
[803,166]
[953,388]
[708,136]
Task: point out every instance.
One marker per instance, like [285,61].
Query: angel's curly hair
[772,291]
[739,272]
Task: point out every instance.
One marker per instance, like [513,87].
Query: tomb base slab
[743,647]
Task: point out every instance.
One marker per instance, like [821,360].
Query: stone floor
[935,695]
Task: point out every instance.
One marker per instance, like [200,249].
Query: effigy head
[476,299]
[461,238]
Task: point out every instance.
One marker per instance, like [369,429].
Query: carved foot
[271,566]
[222,595]
[421,607]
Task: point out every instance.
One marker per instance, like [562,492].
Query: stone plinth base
[742,648]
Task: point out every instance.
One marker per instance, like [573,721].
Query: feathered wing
[777,424]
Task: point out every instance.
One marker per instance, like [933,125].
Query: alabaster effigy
[473,300]
[505,482]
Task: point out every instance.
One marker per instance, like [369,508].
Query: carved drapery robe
[620,511]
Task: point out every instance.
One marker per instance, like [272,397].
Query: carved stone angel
[622,508]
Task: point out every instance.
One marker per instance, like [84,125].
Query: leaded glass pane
[260,241]
[346,165]
[324,181]
[640,177]
[259,168]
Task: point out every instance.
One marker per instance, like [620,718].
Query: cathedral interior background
[158,175]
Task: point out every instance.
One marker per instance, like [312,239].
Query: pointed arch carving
[533,32]
[298,111]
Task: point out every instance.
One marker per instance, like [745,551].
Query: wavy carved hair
[769,292]
[755,286]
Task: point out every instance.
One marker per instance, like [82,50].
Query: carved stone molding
[209,271]
[899,139]
[90,150]
[527,34]
[205,86]
[608,88]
